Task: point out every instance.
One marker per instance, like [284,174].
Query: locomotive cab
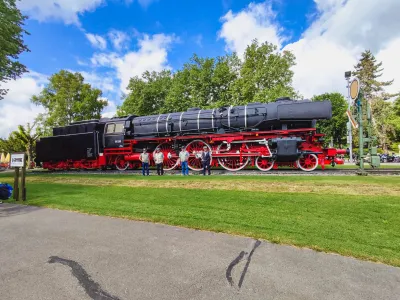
[114,135]
[115,130]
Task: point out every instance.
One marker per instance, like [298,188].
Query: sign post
[360,118]
[17,161]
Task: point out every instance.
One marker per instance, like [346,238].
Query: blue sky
[55,45]
[110,41]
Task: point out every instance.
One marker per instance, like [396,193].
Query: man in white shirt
[184,157]
[159,161]
[144,158]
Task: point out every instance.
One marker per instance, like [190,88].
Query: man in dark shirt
[206,160]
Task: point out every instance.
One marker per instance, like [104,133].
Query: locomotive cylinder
[133,156]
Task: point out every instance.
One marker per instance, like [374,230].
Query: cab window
[110,128]
[119,128]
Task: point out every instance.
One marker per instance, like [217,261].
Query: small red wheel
[308,162]
[265,163]
[121,164]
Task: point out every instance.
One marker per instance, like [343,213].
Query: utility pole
[347,75]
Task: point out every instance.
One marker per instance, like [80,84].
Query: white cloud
[390,56]
[96,41]
[152,55]
[198,39]
[320,66]
[118,39]
[110,110]
[255,21]
[331,45]
[16,108]
[66,10]
[146,3]
[103,82]
[334,42]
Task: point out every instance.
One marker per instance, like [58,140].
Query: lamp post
[347,75]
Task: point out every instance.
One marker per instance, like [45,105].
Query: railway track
[281,172]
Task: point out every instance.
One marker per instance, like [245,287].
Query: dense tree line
[263,75]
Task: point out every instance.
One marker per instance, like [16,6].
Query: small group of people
[183,159]
[205,160]
[158,160]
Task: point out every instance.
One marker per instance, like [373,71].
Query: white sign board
[17,160]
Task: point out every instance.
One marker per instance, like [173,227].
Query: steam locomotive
[265,135]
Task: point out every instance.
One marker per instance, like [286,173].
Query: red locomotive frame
[232,151]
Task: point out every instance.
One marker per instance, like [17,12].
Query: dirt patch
[235,185]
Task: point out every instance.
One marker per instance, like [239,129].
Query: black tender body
[86,139]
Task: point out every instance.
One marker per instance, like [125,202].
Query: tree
[265,74]
[394,122]
[368,70]
[336,127]
[179,96]
[386,120]
[27,138]
[67,99]
[262,76]
[11,144]
[226,73]
[203,83]
[147,94]
[11,42]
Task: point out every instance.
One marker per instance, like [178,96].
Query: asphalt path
[52,254]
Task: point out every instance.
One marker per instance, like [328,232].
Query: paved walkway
[51,254]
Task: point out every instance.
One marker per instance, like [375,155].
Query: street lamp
[347,76]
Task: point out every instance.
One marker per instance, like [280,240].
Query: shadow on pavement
[9,210]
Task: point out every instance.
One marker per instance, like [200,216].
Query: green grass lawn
[350,215]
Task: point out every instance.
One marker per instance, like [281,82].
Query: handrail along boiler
[265,135]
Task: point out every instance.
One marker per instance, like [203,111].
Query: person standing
[206,160]
[144,158]
[159,161]
[184,157]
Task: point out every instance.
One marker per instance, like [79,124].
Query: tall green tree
[203,83]
[68,98]
[369,70]
[226,73]
[147,94]
[11,42]
[27,136]
[179,97]
[265,74]
[385,118]
[336,127]
[395,122]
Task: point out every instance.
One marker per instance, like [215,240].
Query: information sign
[17,160]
